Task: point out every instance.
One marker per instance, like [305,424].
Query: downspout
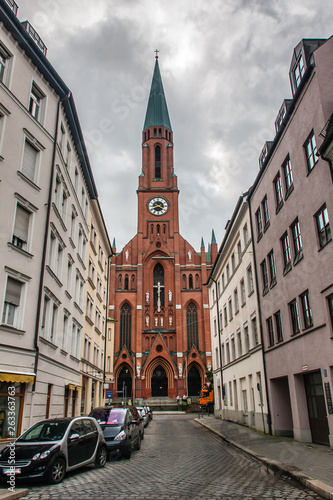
[42,270]
[269,418]
[106,319]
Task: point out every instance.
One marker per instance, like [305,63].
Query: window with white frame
[227,347]
[311,151]
[239,251]
[298,70]
[69,274]
[12,302]
[245,234]
[233,347]
[50,316]
[250,280]
[255,334]
[76,179]
[270,331]
[239,343]
[56,252]
[288,175]
[278,325]
[243,292]
[272,269]
[246,337]
[76,340]
[64,332]
[306,309]
[278,191]
[264,275]
[36,102]
[225,315]
[21,237]
[286,252]
[5,60]
[323,226]
[264,204]
[3,117]
[30,161]
[79,287]
[294,316]
[89,307]
[62,137]
[297,239]
[259,223]
[98,319]
[68,154]
[230,308]
[236,301]
[73,222]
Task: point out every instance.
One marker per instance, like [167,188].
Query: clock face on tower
[158,206]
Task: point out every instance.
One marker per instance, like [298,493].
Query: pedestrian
[178,402]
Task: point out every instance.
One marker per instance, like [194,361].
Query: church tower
[157,298]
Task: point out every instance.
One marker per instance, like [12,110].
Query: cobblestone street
[178,459]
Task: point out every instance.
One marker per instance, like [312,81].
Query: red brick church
[157,294]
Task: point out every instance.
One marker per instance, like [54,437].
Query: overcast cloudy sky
[224,65]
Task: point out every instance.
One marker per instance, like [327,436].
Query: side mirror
[74,436]
[134,422]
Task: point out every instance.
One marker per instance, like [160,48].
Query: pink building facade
[292,212]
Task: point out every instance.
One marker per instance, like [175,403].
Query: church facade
[157,296]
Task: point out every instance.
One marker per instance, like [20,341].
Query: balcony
[13,6]
[34,35]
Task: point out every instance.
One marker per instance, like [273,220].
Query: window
[239,343]
[89,307]
[190,282]
[79,287]
[250,280]
[228,272]
[323,226]
[311,151]
[12,302]
[294,316]
[266,212]
[21,228]
[35,102]
[223,281]
[157,162]
[73,218]
[233,262]
[246,337]
[278,192]
[264,275]
[259,223]
[297,240]
[230,308]
[299,71]
[64,333]
[239,251]
[69,275]
[233,348]
[236,301]
[56,253]
[286,253]
[158,287]
[125,326]
[330,308]
[278,324]
[245,234]
[5,57]
[29,163]
[288,176]
[230,394]
[307,314]
[76,343]
[192,326]
[243,293]
[227,351]
[272,270]
[61,137]
[49,317]
[225,315]
[270,331]
[68,154]
[76,179]
[254,331]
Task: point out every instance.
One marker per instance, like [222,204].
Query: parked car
[52,447]
[121,430]
[144,414]
[150,412]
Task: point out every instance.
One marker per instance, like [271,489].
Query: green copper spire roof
[214,242]
[157,111]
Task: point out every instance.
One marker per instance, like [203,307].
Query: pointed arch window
[197,281]
[125,326]
[126,282]
[158,285]
[157,162]
[159,132]
[155,132]
[133,282]
[166,134]
[190,282]
[120,281]
[184,281]
[148,134]
[192,325]
[158,229]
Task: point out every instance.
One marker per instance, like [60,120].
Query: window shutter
[21,223]
[29,161]
[13,292]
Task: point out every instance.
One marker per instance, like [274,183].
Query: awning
[24,378]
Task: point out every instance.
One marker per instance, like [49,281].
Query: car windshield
[116,417]
[45,431]
[100,414]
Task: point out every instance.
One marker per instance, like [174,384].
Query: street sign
[109,394]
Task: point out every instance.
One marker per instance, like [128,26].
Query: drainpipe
[219,335]
[42,270]
[269,418]
[106,320]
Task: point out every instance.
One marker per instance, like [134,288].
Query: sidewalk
[309,463]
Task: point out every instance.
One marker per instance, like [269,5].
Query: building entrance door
[316,408]
[159,383]
[124,386]
[193,382]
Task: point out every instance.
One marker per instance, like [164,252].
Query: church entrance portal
[194,382]
[159,383]
[124,384]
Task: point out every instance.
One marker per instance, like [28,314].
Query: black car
[52,447]
[121,430]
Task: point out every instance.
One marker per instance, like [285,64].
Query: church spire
[157,111]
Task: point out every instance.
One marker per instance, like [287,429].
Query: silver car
[52,447]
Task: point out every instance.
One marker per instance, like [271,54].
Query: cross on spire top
[156,52]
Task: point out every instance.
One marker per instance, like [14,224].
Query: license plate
[11,471]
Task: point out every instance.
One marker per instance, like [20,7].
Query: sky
[224,66]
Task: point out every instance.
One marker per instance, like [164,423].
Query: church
[157,296]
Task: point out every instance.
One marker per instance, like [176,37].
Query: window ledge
[65,353]
[90,281]
[97,330]
[93,247]
[289,191]
[312,169]
[68,295]
[76,305]
[287,268]
[266,226]
[81,261]
[71,242]
[11,329]
[56,211]
[252,291]
[32,184]
[100,298]
[89,320]
[260,235]
[20,250]
[298,257]
[54,276]
[74,358]
[273,282]
[278,208]
[265,290]
[48,342]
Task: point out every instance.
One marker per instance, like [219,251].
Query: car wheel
[57,471]
[138,443]
[101,457]
[127,453]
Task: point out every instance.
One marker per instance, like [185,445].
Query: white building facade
[238,367]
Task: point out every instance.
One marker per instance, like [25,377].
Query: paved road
[178,459]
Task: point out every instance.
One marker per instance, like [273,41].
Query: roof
[157,111]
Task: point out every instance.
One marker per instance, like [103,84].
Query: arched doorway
[159,383]
[125,383]
[193,382]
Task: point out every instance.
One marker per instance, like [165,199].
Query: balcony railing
[34,35]
[13,6]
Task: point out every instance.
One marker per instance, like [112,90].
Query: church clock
[158,206]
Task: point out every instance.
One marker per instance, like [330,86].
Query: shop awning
[24,378]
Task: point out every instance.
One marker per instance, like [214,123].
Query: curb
[13,495]
[315,485]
